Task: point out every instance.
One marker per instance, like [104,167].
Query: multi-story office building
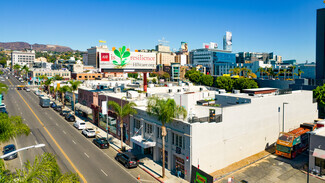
[227,41]
[210,58]
[320,46]
[36,73]
[23,58]
[250,57]
[93,55]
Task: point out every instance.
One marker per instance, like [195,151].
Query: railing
[215,119]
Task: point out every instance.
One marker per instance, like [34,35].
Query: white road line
[86,155]
[21,162]
[104,172]
[74,142]
[64,132]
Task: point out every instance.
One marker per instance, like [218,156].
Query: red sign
[104,56]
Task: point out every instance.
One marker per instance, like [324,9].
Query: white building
[22,58]
[245,125]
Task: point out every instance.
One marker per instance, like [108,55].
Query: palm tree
[17,68]
[165,111]
[62,90]
[300,72]
[48,84]
[285,73]
[122,111]
[261,70]
[11,127]
[25,70]
[293,67]
[43,169]
[74,87]
[3,88]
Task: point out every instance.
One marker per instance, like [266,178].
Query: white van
[79,124]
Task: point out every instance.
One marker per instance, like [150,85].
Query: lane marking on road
[86,155]
[64,132]
[74,142]
[104,172]
[55,142]
[21,162]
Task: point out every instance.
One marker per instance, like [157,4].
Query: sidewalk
[146,164]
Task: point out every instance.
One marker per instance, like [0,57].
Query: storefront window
[90,117]
[111,123]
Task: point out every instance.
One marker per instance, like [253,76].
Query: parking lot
[274,169]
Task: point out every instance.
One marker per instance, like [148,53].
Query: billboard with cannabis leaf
[123,59]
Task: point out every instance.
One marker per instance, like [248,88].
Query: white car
[89,132]
[2,105]
[27,89]
[79,124]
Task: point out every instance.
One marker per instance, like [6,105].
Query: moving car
[89,132]
[80,125]
[127,159]
[8,149]
[44,102]
[101,143]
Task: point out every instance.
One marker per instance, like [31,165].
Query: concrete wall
[281,84]
[247,129]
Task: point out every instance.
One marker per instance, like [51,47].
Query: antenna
[163,41]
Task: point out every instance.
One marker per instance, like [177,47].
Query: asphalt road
[74,152]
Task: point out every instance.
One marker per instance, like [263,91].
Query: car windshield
[9,148]
[286,138]
[104,141]
[82,123]
[91,131]
[283,148]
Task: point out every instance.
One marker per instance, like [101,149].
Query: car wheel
[116,158]
[126,165]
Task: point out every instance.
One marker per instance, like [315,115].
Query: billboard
[184,47]
[128,60]
[228,38]
[199,176]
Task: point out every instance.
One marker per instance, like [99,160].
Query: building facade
[320,46]
[23,58]
[86,76]
[36,73]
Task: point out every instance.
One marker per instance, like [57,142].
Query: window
[148,128]
[178,140]
[79,76]
[137,123]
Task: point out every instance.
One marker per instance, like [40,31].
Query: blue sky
[285,27]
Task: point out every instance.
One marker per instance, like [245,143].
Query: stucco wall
[247,129]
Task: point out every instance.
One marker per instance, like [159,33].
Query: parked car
[58,108]
[101,143]
[80,125]
[28,89]
[127,159]
[64,112]
[3,110]
[3,105]
[8,149]
[70,117]
[89,132]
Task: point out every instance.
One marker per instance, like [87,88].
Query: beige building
[164,55]
[65,74]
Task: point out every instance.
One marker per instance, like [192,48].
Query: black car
[127,159]
[8,149]
[3,110]
[64,112]
[58,108]
[70,117]
[101,143]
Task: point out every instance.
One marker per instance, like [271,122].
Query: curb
[151,174]
[312,175]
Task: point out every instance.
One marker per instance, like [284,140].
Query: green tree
[47,84]
[74,87]
[189,72]
[3,89]
[300,72]
[11,127]
[121,112]
[224,82]
[165,110]
[195,78]
[57,78]
[25,70]
[154,80]
[16,68]
[261,70]
[62,90]
[244,83]
[293,67]
[319,95]
[165,76]
[43,169]
[207,80]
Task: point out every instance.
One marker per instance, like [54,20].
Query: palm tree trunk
[163,134]
[48,87]
[121,127]
[62,98]
[74,103]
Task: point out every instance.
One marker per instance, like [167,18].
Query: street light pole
[22,149]
[283,116]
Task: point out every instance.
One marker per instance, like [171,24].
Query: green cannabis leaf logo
[122,54]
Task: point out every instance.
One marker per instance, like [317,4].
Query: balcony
[214,119]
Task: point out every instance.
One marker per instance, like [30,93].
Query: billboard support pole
[145,82]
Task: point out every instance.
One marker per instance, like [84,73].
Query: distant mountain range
[38,47]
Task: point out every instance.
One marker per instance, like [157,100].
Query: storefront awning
[319,153]
[83,108]
[142,142]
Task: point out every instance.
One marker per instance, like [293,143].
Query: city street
[74,152]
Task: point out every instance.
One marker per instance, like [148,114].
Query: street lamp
[283,116]
[309,136]
[22,149]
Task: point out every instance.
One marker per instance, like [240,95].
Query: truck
[294,142]
[44,102]
[20,87]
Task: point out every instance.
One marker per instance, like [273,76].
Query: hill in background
[37,47]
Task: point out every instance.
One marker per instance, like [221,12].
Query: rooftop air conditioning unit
[170,90]
[201,89]
[117,90]
[236,91]
[179,90]
[148,94]
[222,91]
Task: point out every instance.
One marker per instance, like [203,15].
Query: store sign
[121,59]
[199,176]
[104,57]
